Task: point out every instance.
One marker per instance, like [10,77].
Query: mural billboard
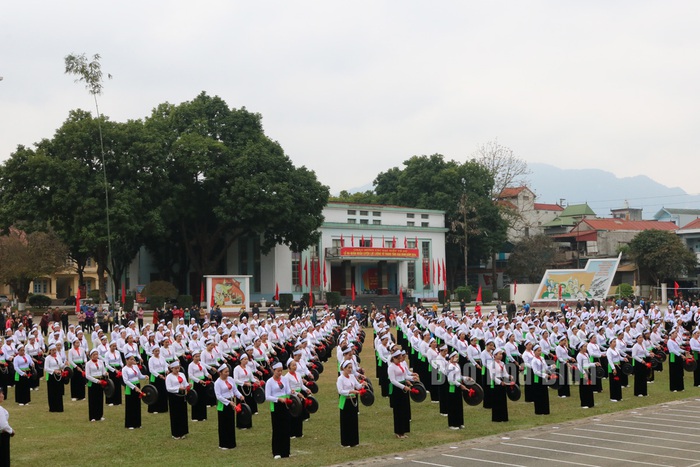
[593,282]
[230,293]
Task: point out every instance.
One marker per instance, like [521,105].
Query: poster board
[230,293]
[592,282]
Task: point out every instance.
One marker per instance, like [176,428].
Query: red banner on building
[379,252]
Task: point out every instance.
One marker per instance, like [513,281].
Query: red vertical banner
[325,278]
[675,288]
[319,272]
[439,274]
[393,242]
[311,299]
[277,292]
[515,287]
[201,293]
[383,242]
[342,240]
[362,240]
[352,240]
[434,272]
[313,272]
[426,272]
[371,241]
[478,295]
[559,291]
[444,276]
[123,293]
[77,300]
[405,242]
[401,296]
[306,272]
[353,292]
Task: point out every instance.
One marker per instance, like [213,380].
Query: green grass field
[70,439]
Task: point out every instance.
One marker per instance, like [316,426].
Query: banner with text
[367,252]
[593,282]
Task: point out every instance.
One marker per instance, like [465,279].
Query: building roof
[622,224]
[343,205]
[573,210]
[689,212]
[548,207]
[512,192]
[693,225]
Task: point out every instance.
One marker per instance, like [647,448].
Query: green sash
[220,406]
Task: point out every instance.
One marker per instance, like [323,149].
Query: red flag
[212,299]
[342,240]
[426,272]
[416,242]
[123,293]
[313,272]
[444,275]
[515,287]
[405,242]
[434,270]
[325,279]
[383,242]
[277,292]
[393,242]
[353,292]
[559,291]
[352,239]
[318,270]
[362,240]
[675,288]
[371,241]
[311,299]
[77,300]
[401,296]
[306,272]
[439,273]
[478,295]
[201,292]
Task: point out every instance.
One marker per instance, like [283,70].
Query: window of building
[411,275]
[296,258]
[41,286]
[410,223]
[364,213]
[365,243]
[389,243]
[335,243]
[425,246]
[425,224]
[351,212]
[88,263]
[411,243]
[364,221]
[352,221]
[376,222]
[376,213]
[424,216]
[410,215]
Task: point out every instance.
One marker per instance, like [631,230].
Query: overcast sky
[350,89]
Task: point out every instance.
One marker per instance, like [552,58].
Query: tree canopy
[531,257]
[662,255]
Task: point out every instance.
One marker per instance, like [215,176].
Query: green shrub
[94,294]
[487,295]
[333,299]
[464,293]
[129,304]
[184,301]
[504,294]
[286,299]
[156,301]
[625,290]
[160,289]
[39,301]
[442,296]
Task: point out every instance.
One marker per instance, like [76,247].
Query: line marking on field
[683,411]
[483,460]
[660,425]
[635,435]
[609,449]
[677,415]
[671,422]
[626,442]
[431,463]
[646,429]
[586,454]
[531,457]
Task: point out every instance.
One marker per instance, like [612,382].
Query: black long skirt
[640,379]
[488,390]
[383,377]
[598,382]
[675,373]
[132,409]
[499,410]
[349,426]
[77,385]
[615,386]
[527,383]
[95,402]
[455,407]
[54,389]
[280,430]
[401,405]
[3,379]
[248,400]
[4,449]
[22,393]
[585,393]
[199,410]
[444,389]
[116,398]
[161,404]
[296,424]
[178,415]
[540,396]
[227,427]
[564,379]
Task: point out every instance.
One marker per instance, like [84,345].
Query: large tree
[531,257]
[463,191]
[227,180]
[25,257]
[661,255]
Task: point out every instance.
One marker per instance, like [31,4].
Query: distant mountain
[602,190]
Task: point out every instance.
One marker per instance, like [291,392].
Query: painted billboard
[230,293]
[593,282]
